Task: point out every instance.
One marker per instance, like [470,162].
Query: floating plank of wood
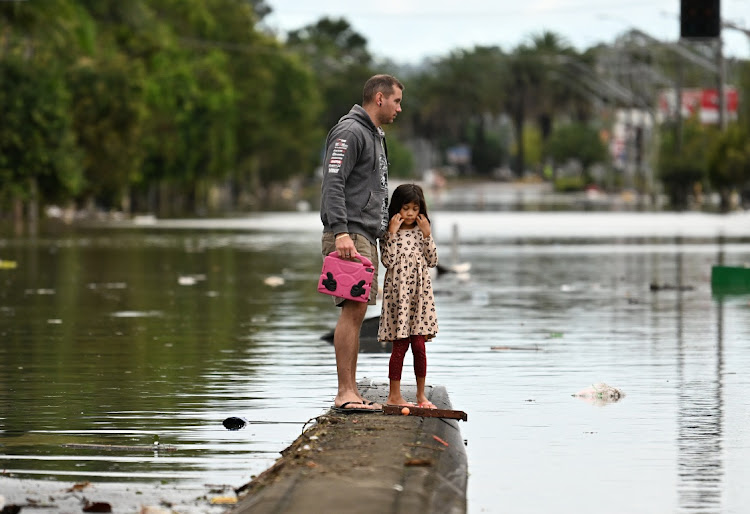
[426,413]
[120,448]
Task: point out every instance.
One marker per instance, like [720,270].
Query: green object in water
[7,264]
[730,279]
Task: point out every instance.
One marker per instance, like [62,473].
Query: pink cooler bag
[346,279]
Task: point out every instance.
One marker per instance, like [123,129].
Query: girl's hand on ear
[395,223]
[424,225]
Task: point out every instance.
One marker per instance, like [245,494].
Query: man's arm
[342,153]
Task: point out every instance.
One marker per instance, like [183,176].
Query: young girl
[408,316]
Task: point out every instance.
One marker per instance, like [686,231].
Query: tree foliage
[729,164]
[151,104]
[37,142]
[341,61]
[165,106]
[576,141]
[683,165]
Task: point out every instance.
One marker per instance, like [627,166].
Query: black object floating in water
[233,423]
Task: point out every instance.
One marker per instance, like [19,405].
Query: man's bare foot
[427,404]
[354,407]
[358,401]
[373,404]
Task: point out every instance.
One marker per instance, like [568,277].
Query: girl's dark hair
[407,193]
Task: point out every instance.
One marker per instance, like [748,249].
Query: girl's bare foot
[424,403]
[398,400]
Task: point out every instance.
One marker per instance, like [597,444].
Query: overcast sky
[406,31]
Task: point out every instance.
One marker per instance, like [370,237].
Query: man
[354,212]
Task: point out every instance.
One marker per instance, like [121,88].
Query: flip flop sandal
[343,409]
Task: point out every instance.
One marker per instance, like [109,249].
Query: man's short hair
[379,83]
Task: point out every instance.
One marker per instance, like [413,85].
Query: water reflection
[699,417]
[126,337]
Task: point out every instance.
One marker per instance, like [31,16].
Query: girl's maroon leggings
[398,353]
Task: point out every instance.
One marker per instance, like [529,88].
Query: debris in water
[223,500]
[669,287]
[40,292]
[8,264]
[97,507]
[136,314]
[234,423]
[80,486]
[274,281]
[600,394]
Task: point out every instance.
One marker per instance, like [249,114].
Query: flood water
[133,335]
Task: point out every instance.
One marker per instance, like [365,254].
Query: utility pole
[721,87]
[678,107]
[700,20]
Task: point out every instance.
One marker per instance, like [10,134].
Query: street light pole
[721,75]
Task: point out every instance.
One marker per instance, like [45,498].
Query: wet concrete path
[367,463]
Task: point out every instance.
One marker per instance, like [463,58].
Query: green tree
[400,159]
[539,87]
[577,141]
[39,159]
[108,111]
[525,71]
[340,60]
[682,167]
[729,164]
[190,137]
[553,93]
[38,153]
[458,99]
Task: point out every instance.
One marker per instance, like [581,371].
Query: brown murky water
[131,336]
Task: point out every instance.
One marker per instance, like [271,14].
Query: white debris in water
[600,394]
[136,314]
[8,264]
[40,291]
[190,280]
[274,281]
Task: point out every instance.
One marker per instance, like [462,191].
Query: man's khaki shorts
[365,248]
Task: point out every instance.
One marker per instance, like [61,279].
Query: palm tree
[525,73]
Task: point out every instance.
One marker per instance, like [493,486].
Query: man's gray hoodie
[354,194]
